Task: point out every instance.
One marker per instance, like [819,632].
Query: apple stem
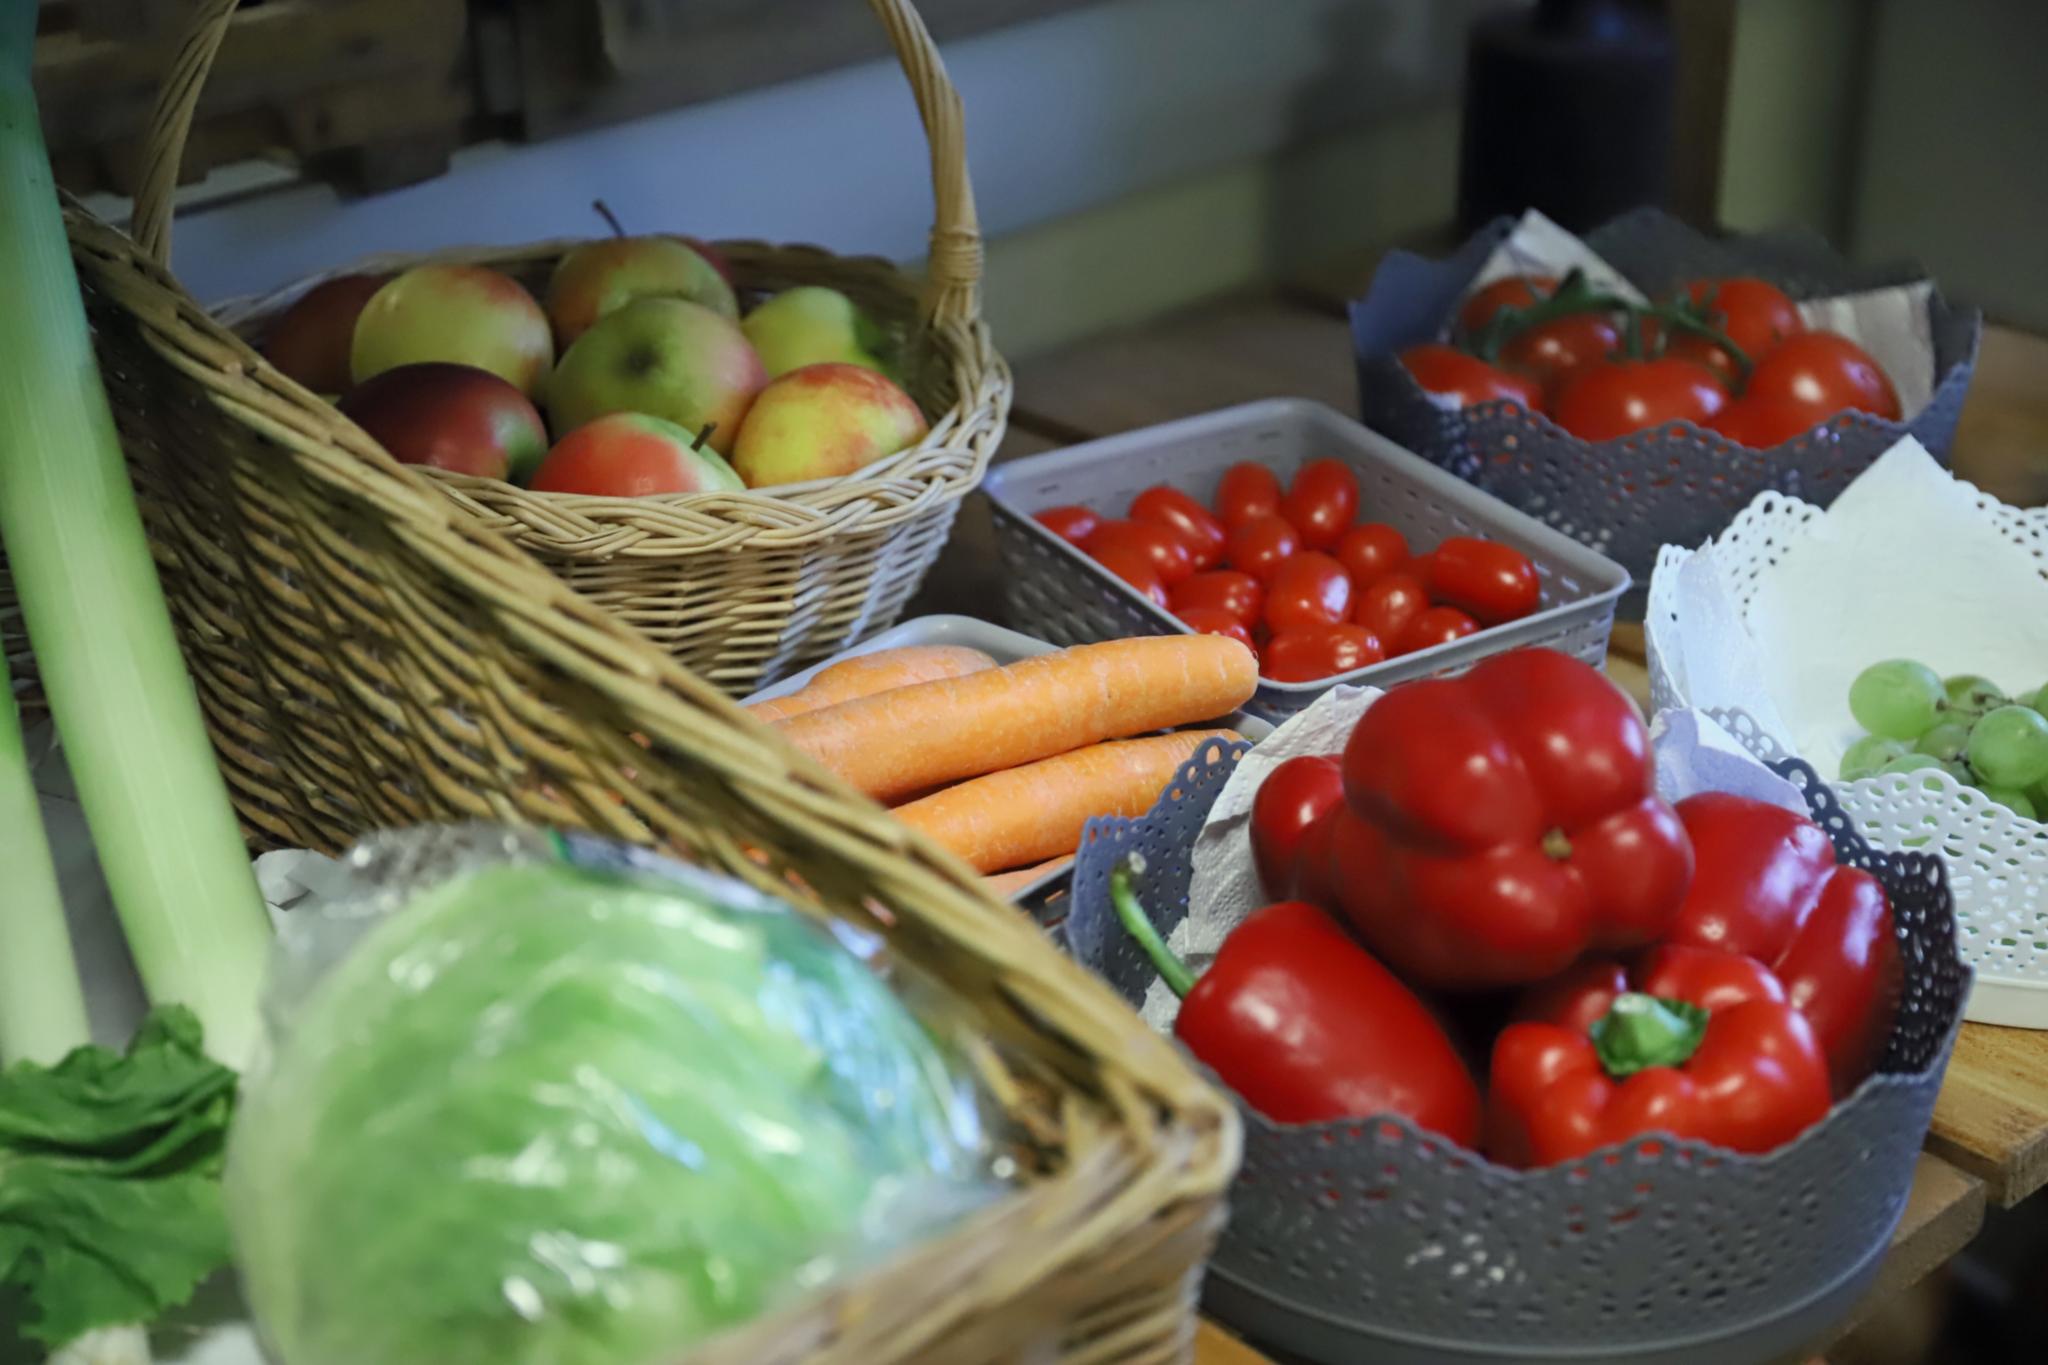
[704,435]
[611,219]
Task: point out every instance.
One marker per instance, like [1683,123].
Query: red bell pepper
[1748,1076]
[1706,977]
[1502,824]
[1769,887]
[1295,798]
[1304,1024]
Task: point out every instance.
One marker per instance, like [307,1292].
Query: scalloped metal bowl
[1371,1239]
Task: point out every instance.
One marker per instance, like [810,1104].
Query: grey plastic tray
[1374,1240]
[1677,484]
[1054,590]
[1046,897]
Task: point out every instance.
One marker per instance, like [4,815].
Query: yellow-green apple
[633,455]
[463,314]
[823,421]
[310,340]
[812,325]
[454,417]
[599,277]
[669,357]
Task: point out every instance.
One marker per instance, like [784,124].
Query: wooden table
[1990,1132]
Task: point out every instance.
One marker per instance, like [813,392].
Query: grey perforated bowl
[1677,484]
[1373,1240]
[1054,591]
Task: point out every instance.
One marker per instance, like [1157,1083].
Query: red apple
[453,417]
[633,455]
[713,255]
[310,340]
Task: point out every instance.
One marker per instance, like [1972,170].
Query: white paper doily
[1839,587]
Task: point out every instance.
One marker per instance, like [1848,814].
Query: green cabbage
[568,1116]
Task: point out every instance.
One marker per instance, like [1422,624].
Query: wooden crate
[369,93]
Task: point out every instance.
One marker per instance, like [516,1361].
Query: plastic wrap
[528,1098]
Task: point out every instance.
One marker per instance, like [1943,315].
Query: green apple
[600,277]
[813,325]
[632,455]
[461,314]
[668,357]
[824,421]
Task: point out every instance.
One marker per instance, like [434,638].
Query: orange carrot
[1007,884]
[1038,810]
[914,738]
[866,674]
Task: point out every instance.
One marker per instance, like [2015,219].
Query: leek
[125,709]
[42,1007]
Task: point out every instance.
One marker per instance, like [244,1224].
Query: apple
[713,255]
[464,314]
[633,455]
[811,325]
[668,357]
[599,277]
[310,340]
[823,421]
[453,417]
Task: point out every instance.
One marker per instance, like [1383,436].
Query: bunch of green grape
[1963,725]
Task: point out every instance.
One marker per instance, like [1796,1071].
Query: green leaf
[110,1202]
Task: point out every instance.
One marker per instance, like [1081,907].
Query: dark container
[1569,109]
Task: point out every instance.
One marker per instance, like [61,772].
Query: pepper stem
[1641,1031]
[1138,925]
[1557,845]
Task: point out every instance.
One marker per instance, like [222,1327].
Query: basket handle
[954,272]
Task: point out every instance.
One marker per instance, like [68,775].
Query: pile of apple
[660,386]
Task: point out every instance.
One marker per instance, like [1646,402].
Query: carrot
[1008,884]
[866,674]
[914,738]
[1038,810]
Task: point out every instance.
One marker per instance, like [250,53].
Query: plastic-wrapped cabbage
[550,1102]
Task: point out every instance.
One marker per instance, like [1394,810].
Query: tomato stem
[1575,294]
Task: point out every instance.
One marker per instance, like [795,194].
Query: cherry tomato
[1222,590]
[1319,652]
[1761,423]
[1322,501]
[1186,518]
[1617,397]
[1437,626]
[1214,621]
[1754,314]
[1553,351]
[1310,589]
[1293,797]
[1465,379]
[1389,605]
[1247,490]
[1492,581]
[1700,351]
[1134,567]
[1170,558]
[1071,524]
[1260,546]
[1370,552]
[1512,291]
[1828,371]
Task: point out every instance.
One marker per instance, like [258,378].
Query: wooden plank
[1215,1345]
[2002,441]
[1992,1116]
[1193,362]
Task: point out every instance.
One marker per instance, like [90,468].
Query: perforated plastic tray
[1054,590]
[1374,1240]
[1675,484]
[1046,897]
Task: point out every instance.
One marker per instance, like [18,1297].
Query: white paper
[1891,323]
[1692,754]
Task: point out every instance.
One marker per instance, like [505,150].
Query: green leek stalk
[125,708]
[42,1007]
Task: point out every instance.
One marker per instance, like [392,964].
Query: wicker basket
[746,587]
[369,653]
